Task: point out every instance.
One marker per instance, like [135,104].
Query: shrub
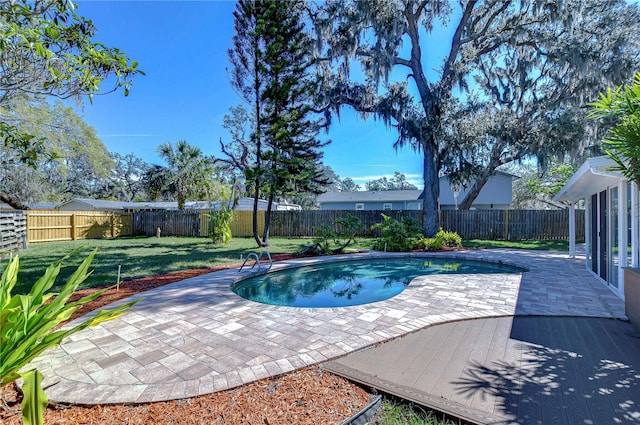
[440,240]
[397,235]
[28,322]
[451,239]
[220,225]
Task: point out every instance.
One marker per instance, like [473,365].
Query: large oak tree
[392,44]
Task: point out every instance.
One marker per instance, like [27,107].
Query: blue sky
[182,48]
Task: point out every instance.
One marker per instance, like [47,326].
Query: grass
[138,257]
[549,245]
[400,412]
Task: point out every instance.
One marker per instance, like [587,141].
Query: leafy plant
[331,242]
[220,225]
[440,240]
[397,235]
[28,323]
[622,142]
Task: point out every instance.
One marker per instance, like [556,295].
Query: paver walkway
[196,336]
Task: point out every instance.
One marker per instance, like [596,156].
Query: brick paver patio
[195,336]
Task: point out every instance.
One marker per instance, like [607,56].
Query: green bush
[220,225]
[397,235]
[28,322]
[451,239]
[440,240]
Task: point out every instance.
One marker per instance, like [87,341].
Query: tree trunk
[430,204]
[267,219]
[472,195]
[256,196]
[15,203]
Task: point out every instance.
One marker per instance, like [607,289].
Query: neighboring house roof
[43,205]
[593,176]
[103,205]
[370,196]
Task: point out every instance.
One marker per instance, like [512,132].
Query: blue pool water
[354,282]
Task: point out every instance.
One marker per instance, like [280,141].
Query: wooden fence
[473,224]
[13,231]
[49,226]
[512,225]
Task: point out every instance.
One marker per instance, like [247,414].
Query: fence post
[73,226]
[112,225]
[506,226]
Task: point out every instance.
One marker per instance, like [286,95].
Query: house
[382,200]
[496,194]
[611,223]
[85,204]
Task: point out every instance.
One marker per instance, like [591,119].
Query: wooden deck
[526,370]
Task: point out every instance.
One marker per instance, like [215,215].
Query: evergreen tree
[271,59]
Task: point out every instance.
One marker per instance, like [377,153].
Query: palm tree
[190,172]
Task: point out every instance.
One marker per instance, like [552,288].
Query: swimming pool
[353,282]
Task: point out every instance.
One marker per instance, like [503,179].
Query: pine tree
[271,58]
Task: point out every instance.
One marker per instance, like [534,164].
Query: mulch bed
[307,396]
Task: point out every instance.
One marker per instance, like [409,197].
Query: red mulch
[308,396]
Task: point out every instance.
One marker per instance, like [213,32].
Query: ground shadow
[566,371]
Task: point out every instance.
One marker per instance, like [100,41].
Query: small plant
[330,242]
[27,327]
[440,240]
[322,241]
[220,225]
[397,235]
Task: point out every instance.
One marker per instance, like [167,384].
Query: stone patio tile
[177,361]
[195,372]
[220,383]
[273,368]
[155,373]
[148,357]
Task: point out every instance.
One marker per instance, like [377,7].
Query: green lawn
[550,245]
[138,257]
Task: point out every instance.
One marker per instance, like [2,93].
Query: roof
[370,196]
[99,204]
[593,176]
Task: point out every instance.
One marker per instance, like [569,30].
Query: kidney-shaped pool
[353,282]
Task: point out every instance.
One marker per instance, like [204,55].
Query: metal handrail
[257,257]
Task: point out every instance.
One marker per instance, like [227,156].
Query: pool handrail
[257,257]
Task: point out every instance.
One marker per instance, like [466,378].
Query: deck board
[528,370]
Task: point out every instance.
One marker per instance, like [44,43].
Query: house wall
[371,206]
[496,193]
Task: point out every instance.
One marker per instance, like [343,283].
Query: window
[414,206]
[387,207]
[359,207]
